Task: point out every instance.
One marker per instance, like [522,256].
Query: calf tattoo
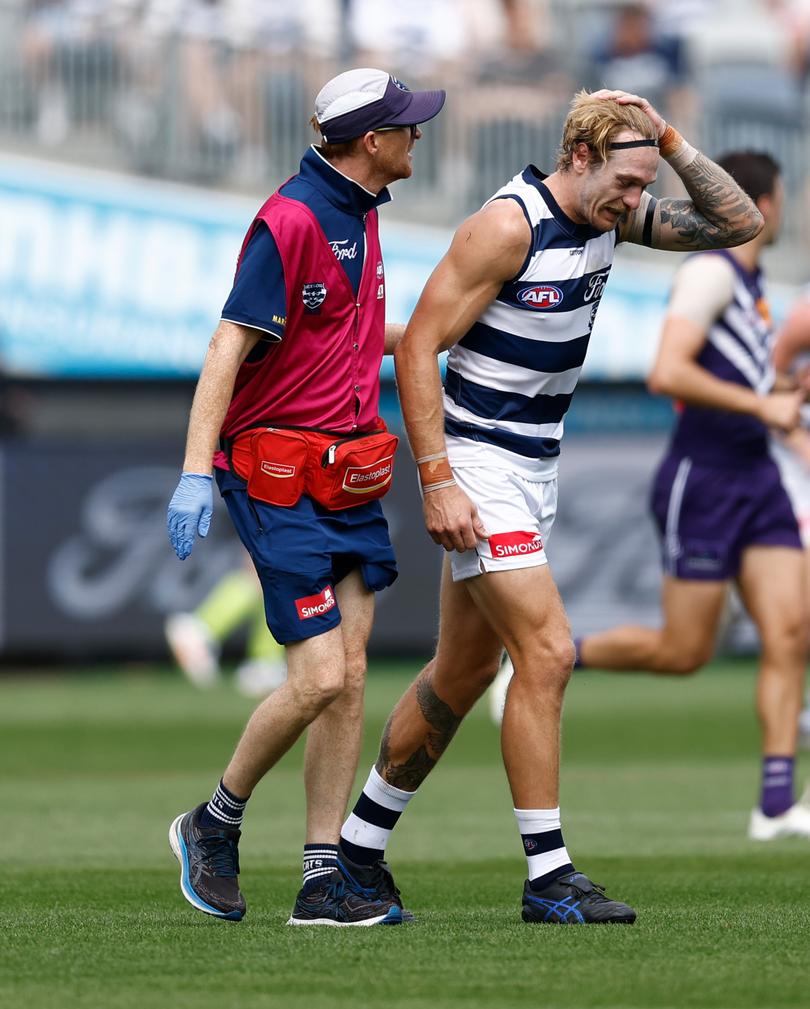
[442,724]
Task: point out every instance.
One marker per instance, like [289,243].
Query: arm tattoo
[718,216]
[442,724]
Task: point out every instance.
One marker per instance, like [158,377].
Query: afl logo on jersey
[541,296]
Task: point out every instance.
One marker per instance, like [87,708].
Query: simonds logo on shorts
[315,606]
[515,544]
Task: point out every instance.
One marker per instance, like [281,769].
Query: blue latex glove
[190,511]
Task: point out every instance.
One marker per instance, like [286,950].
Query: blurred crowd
[220,90]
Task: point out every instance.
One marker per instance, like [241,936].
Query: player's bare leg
[334,738]
[525,609]
[686,641]
[429,712]
[804,717]
[771,583]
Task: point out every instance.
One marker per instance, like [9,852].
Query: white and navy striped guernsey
[511,377]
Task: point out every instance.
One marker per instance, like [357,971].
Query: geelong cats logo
[313,296]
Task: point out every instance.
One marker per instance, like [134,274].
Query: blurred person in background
[791,358]
[75,59]
[794,15]
[196,638]
[634,54]
[299,347]
[718,501]
[223,77]
[514,301]
[519,82]
[425,36]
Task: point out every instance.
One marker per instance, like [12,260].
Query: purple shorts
[708,515]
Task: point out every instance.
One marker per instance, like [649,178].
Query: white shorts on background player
[516,509]
[796,481]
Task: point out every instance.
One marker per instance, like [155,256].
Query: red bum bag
[338,471]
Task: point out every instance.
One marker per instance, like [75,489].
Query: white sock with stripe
[365,833]
[546,854]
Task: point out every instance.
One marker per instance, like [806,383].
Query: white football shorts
[516,511]
[796,481]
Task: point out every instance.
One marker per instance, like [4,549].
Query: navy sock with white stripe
[365,833]
[225,810]
[319,860]
[546,854]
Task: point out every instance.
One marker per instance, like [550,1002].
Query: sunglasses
[390,129]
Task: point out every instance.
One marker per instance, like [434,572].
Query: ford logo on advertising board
[541,296]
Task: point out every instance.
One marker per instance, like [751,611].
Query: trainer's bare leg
[426,718]
[771,583]
[315,677]
[692,612]
[335,737]
[525,610]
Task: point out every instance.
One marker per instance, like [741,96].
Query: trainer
[290,391]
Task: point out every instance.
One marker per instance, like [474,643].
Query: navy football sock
[225,810]
[319,860]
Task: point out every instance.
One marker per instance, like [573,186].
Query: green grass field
[658,780]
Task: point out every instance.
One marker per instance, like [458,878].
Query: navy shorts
[301,553]
[708,515]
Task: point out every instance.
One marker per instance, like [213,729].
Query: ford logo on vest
[541,296]
[313,296]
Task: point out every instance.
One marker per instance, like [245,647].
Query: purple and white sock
[777,785]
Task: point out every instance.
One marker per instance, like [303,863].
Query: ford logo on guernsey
[541,296]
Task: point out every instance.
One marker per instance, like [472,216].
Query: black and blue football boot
[328,900]
[209,865]
[573,900]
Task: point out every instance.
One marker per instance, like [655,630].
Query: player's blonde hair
[596,122]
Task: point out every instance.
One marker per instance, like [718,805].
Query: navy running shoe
[573,900]
[374,882]
[328,900]
[209,865]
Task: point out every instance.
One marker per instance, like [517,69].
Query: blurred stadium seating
[220,92]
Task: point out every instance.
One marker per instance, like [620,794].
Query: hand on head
[626,98]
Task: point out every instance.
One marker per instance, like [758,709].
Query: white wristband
[682,157]
[438,486]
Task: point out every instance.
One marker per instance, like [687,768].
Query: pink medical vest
[325,373]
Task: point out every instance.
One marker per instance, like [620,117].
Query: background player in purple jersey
[299,345]
[513,301]
[718,499]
